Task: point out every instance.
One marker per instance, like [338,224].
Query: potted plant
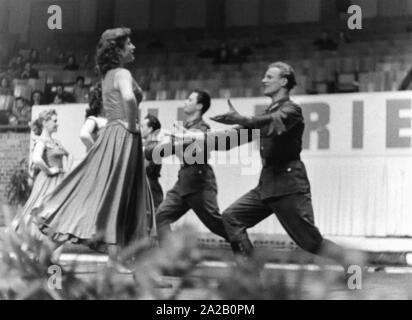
[17,190]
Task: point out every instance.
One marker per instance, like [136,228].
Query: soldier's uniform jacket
[280,145]
[194,177]
[152,169]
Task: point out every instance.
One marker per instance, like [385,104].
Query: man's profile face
[273,81]
[145,130]
[191,105]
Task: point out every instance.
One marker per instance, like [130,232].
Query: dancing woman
[95,121]
[48,155]
[105,201]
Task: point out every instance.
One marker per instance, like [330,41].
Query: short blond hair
[287,72]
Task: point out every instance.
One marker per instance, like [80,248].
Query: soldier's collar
[190,124]
[275,104]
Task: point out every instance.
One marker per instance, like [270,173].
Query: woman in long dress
[104,201]
[95,120]
[47,158]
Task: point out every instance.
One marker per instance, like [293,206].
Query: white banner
[357,149]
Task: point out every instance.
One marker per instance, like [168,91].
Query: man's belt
[278,163]
[185,165]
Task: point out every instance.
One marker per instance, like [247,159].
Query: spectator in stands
[21,112]
[71,64]
[17,64]
[343,38]
[29,72]
[58,99]
[36,98]
[5,87]
[34,56]
[10,73]
[61,96]
[61,58]
[325,42]
[87,63]
[236,57]
[12,120]
[222,54]
[80,92]
[48,56]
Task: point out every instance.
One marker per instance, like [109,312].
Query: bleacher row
[364,65]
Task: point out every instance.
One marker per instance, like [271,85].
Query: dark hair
[33,51]
[107,55]
[153,122]
[73,57]
[287,72]
[33,93]
[204,99]
[95,101]
[80,78]
[37,125]
[7,79]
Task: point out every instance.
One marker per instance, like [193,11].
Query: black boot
[243,247]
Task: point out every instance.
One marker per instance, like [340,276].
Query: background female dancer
[47,157]
[95,121]
[104,202]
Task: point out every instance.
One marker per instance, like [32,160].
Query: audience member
[21,112]
[80,92]
[221,54]
[36,98]
[61,58]
[87,63]
[71,64]
[34,56]
[17,64]
[61,96]
[29,72]
[325,42]
[48,56]
[343,38]
[5,87]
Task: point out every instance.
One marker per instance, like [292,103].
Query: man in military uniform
[283,187]
[150,130]
[196,185]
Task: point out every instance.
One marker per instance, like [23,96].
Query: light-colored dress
[100,123]
[43,184]
[105,200]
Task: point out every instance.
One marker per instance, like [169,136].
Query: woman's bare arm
[86,133]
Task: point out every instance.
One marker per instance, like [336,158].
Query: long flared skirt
[105,199]
[23,222]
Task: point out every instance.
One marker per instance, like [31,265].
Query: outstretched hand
[179,132]
[231,117]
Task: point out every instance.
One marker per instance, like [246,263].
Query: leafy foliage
[19,187]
